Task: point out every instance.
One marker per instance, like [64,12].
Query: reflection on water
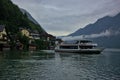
[60,66]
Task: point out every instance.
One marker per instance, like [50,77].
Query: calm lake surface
[60,66]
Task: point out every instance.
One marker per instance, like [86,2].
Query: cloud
[106,33]
[66,16]
[102,34]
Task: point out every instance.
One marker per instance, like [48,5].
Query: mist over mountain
[105,31]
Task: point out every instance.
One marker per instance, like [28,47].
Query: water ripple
[40,66]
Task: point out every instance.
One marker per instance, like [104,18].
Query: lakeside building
[35,35]
[3,39]
[3,34]
[31,34]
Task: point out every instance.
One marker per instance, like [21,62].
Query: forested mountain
[29,16]
[13,18]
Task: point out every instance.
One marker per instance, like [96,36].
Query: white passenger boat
[78,46]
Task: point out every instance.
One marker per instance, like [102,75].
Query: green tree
[41,44]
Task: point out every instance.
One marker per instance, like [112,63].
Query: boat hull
[87,51]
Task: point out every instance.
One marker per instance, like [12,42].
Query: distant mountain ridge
[105,31]
[99,26]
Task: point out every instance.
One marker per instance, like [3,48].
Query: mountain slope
[13,18]
[29,16]
[99,26]
[105,31]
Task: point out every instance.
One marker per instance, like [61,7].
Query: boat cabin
[77,44]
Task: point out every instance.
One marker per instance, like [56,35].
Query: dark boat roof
[85,41]
[82,40]
[76,41]
[71,42]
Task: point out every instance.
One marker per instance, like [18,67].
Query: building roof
[2,28]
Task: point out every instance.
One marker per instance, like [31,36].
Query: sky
[63,17]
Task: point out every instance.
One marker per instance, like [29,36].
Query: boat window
[85,41]
[68,47]
[70,42]
[86,47]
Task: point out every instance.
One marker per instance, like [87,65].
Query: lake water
[60,66]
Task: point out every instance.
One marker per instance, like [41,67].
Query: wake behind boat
[78,46]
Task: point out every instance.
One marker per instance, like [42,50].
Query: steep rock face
[29,16]
[105,31]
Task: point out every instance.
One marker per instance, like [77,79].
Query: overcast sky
[62,17]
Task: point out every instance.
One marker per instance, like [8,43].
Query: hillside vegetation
[12,17]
